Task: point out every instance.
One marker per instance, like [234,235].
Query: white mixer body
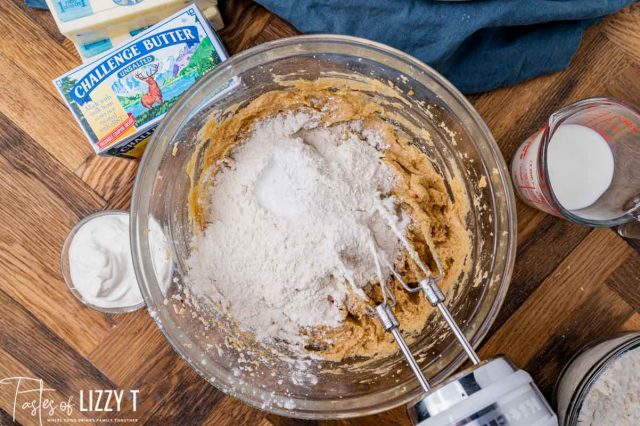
[493,394]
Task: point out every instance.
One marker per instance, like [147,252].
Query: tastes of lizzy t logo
[32,400]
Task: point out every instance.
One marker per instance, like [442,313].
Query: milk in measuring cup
[580,166]
[583,165]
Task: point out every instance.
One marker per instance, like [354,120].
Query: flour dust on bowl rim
[460,140]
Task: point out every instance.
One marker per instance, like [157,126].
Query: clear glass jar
[342,390]
[583,371]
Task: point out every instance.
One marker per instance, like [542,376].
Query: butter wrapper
[97,25]
[119,98]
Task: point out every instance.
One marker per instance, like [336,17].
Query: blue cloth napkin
[36,4]
[478,45]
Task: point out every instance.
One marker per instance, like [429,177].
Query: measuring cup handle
[630,230]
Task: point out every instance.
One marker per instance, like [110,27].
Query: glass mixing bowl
[460,141]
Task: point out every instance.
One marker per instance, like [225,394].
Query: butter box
[119,98]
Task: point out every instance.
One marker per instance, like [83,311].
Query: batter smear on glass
[301,184]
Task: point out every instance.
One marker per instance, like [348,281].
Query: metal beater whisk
[429,286]
[492,392]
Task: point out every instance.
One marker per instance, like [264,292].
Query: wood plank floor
[570,284]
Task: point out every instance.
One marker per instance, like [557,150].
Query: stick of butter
[90,21]
[112,23]
[120,97]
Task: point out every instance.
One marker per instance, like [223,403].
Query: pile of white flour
[615,397]
[291,221]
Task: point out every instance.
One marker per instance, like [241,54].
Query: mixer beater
[492,392]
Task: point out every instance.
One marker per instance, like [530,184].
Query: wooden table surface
[571,284]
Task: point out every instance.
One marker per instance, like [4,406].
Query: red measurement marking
[525,149]
[608,124]
[596,117]
[629,125]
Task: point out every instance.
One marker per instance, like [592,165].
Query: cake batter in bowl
[441,134]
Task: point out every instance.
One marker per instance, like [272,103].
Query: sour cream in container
[97,265]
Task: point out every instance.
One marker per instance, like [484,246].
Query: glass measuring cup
[618,124]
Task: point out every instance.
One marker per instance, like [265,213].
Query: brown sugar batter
[437,225]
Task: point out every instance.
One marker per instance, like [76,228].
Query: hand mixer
[492,392]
